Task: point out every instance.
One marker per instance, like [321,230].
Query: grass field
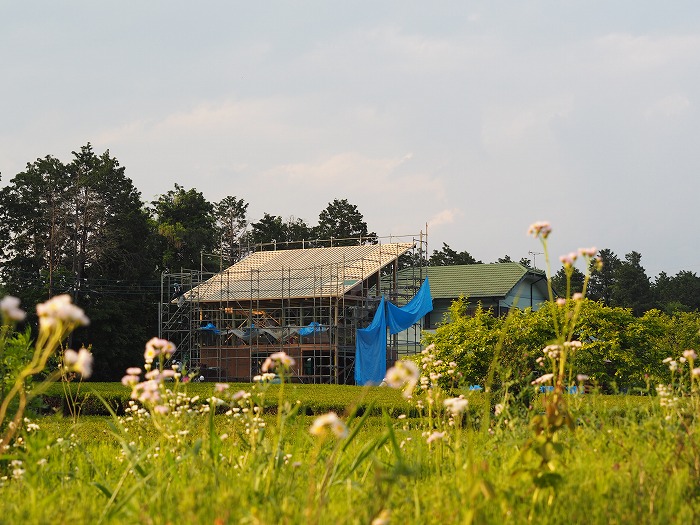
[625,460]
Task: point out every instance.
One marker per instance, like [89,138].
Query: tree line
[82,228]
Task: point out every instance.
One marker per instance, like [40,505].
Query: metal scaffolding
[306,302]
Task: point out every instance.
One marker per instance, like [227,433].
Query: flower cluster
[540,229]
[60,309]
[80,361]
[404,374]
[158,347]
[329,422]
[10,310]
[276,361]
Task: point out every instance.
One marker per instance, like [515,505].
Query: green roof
[476,280]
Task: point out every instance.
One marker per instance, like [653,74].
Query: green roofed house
[496,286]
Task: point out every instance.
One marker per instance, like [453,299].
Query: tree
[186,224]
[80,228]
[343,224]
[680,293]
[230,216]
[449,257]
[279,234]
[600,285]
[559,282]
[632,288]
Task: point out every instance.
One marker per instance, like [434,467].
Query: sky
[467,119]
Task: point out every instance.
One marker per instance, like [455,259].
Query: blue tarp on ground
[370,343]
[400,319]
[370,346]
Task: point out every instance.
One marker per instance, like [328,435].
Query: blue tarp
[370,345]
[209,327]
[313,328]
[399,319]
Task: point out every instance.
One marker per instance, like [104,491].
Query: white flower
[9,306]
[581,378]
[60,308]
[546,378]
[404,374]
[220,387]
[329,421]
[277,359]
[435,436]
[456,405]
[498,409]
[156,346]
[80,361]
[690,354]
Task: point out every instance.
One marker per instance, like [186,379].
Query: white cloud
[443,217]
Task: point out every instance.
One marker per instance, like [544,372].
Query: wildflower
[552,351]
[581,378]
[329,421]
[696,371]
[80,361]
[130,380]
[220,387]
[156,346]
[456,405]
[540,229]
[573,345]
[578,296]
[569,259]
[435,436]
[404,374]
[667,360]
[690,355]
[60,308]
[498,409]
[561,301]
[546,378]
[277,359]
[672,366]
[588,252]
[9,307]
[133,371]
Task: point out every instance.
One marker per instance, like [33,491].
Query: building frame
[305,302]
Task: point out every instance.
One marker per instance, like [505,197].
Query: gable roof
[476,280]
[301,273]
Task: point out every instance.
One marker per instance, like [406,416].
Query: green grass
[624,462]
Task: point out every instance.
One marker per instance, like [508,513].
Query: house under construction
[305,302]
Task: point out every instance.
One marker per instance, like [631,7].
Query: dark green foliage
[230,215]
[600,287]
[632,288]
[344,224]
[575,283]
[186,225]
[446,256]
[80,228]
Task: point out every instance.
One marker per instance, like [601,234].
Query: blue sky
[477,118]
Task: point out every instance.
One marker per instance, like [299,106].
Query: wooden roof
[303,273]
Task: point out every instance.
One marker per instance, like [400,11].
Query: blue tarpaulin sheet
[209,327]
[313,328]
[399,319]
[370,345]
